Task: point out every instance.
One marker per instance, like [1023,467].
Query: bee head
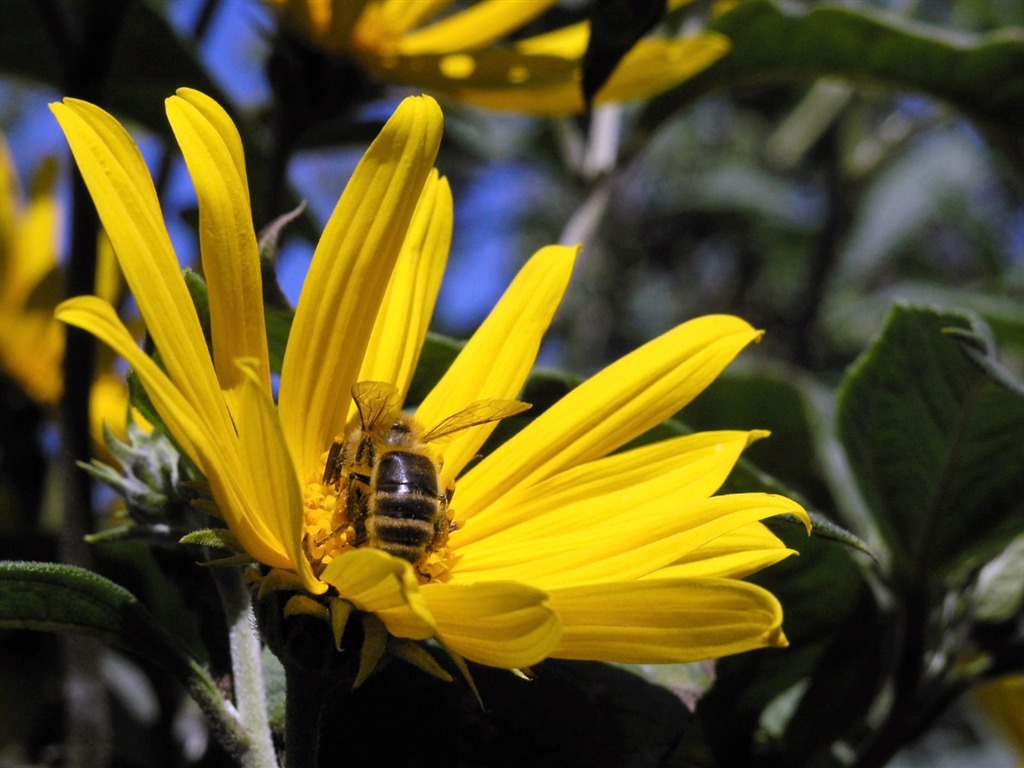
[399,433]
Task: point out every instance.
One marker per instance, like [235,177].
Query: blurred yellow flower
[562,548]
[462,55]
[31,340]
[1002,701]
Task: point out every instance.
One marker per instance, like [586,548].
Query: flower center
[399,519]
[328,531]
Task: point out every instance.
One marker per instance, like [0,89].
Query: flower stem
[247,669]
[305,691]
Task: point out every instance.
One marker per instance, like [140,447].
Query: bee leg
[332,469]
[358,496]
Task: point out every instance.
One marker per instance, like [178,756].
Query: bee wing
[377,402]
[474,414]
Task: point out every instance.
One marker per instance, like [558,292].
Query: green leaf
[66,599]
[63,598]
[200,294]
[437,356]
[982,76]
[934,442]
[998,594]
[279,326]
[828,613]
[851,316]
[772,398]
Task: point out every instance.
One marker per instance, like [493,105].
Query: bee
[388,476]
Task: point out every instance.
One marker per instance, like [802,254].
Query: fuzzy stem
[246,669]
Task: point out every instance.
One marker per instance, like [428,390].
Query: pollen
[326,529]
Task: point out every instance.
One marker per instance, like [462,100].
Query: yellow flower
[31,340]
[562,548]
[460,56]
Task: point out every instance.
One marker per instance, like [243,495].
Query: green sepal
[415,654]
[824,528]
[375,640]
[216,538]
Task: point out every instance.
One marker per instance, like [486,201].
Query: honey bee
[388,477]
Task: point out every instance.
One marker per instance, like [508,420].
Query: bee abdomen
[402,516]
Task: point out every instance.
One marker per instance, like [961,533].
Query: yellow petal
[126,201]
[273,489]
[624,400]
[1002,701]
[696,464]
[216,458]
[630,545]
[408,305]
[31,342]
[348,276]
[329,23]
[654,65]
[108,406]
[231,264]
[501,624]
[569,42]
[375,582]
[477,26]
[10,196]
[665,621]
[498,358]
[497,79]
[31,250]
[736,564]
[396,17]
[110,285]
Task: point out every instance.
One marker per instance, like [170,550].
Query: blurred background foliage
[848,177]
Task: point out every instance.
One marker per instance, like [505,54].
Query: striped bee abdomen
[403,513]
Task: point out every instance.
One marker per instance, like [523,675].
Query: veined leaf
[934,441]
[53,597]
[774,42]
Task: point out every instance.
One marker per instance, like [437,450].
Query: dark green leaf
[854,317]
[279,326]
[63,598]
[775,42]
[140,399]
[200,294]
[437,356]
[52,597]
[615,26]
[934,441]
[773,399]
[828,609]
